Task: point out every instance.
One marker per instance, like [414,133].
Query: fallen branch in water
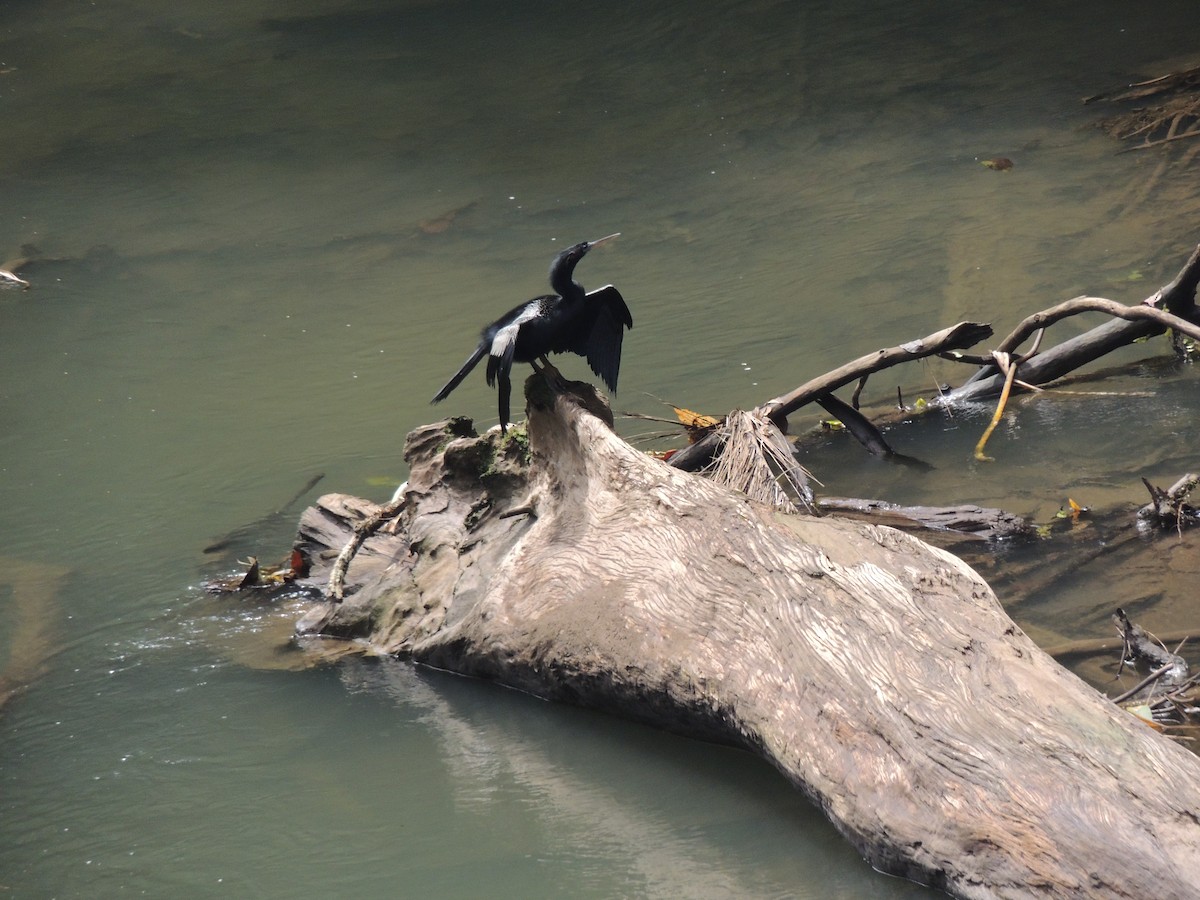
[247,533]
[1041,320]
[1170,508]
[1174,118]
[956,337]
[1167,308]
[699,455]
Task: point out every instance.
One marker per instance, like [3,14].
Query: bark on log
[879,674]
[970,521]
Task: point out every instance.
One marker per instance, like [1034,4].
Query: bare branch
[362,531]
[1177,297]
[956,337]
[1078,305]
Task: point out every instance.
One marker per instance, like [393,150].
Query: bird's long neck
[563,281]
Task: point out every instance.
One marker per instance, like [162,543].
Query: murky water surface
[267,232]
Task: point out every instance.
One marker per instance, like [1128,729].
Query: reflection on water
[267,232]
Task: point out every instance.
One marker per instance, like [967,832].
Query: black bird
[568,321]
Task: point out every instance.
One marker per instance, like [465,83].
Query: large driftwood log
[879,674]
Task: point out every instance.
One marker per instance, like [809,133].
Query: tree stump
[878,673]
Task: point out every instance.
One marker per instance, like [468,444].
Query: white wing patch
[505,338]
[531,311]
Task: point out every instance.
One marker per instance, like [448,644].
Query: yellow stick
[1010,372]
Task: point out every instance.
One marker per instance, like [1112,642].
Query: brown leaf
[694,419]
[695,424]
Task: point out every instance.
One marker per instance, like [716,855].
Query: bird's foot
[552,375]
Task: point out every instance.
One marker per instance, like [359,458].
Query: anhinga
[568,321]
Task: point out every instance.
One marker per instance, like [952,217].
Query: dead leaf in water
[998,164]
[694,419]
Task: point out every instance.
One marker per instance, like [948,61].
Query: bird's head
[564,263]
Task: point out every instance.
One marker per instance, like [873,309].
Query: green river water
[267,232]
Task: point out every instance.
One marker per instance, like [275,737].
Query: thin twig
[1195,132]
[1077,305]
[858,389]
[362,531]
[1152,677]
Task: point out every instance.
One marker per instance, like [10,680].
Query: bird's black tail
[472,362]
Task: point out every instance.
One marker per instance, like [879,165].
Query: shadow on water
[267,233]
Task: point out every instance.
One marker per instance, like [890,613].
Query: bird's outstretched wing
[600,343]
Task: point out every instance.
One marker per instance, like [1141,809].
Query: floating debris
[1163,109]
[259,577]
[10,282]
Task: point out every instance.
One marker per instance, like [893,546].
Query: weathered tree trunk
[879,674]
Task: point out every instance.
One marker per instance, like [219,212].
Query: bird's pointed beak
[603,240]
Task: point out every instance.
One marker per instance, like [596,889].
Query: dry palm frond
[756,459]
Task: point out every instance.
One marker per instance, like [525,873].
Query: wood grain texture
[879,674]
